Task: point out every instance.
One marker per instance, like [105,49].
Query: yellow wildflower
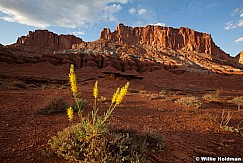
[115,95]
[122,93]
[72,80]
[95,91]
[70,113]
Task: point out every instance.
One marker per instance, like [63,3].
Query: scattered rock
[204,152]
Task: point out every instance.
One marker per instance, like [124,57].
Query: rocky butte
[43,39]
[138,49]
[165,37]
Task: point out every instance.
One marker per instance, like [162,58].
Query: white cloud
[240,24]
[142,11]
[132,11]
[138,11]
[110,11]
[239,39]
[77,33]
[229,25]
[213,5]
[237,10]
[159,24]
[77,13]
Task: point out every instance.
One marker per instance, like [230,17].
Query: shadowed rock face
[43,39]
[165,37]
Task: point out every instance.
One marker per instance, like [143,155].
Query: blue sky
[223,19]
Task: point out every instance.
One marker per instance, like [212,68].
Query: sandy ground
[188,132]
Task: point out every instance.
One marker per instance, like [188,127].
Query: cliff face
[165,37]
[126,49]
[43,39]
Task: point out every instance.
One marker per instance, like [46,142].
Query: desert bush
[113,146]
[224,123]
[19,84]
[238,101]
[91,140]
[190,101]
[156,97]
[32,85]
[145,92]
[213,96]
[163,92]
[108,147]
[54,105]
[209,117]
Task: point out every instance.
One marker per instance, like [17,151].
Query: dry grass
[190,101]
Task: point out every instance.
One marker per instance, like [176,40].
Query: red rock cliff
[165,37]
[47,40]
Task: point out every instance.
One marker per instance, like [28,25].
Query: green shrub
[113,146]
[190,101]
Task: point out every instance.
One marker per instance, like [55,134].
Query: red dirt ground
[187,131]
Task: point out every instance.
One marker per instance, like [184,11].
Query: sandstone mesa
[138,49]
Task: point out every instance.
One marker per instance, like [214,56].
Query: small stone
[231,141]
[160,109]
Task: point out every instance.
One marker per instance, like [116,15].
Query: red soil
[187,132]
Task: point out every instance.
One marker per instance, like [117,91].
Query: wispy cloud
[239,40]
[213,5]
[234,24]
[61,13]
[110,12]
[159,24]
[195,7]
[132,10]
[142,11]
[240,24]
[237,10]
[138,11]
[77,33]
[229,25]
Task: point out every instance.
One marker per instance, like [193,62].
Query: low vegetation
[238,101]
[93,140]
[213,97]
[54,105]
[224,123]
[190,101]
[19,84]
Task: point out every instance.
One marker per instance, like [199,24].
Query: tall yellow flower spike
[95,91]
[72,80]
[70,113]
[115,96]
[122,93]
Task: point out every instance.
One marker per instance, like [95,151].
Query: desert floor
[148,107]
